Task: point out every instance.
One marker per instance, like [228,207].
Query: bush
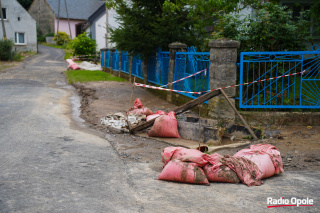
[62,38]
[83,45]
[271,28]
[5,50]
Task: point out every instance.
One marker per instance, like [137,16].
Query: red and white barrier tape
[172,90]
[205,70]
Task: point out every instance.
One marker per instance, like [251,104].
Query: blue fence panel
[136,67]
[107,59]
[188,63]
[124,62]
[102,59]
[296,91]
[158,68]
[115,61]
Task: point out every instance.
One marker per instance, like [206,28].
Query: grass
[74,76]
[68,51]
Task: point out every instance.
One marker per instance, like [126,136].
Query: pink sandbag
[155,115]
[168,152]
[217,172]
[165,126]
[264,163]
[247,171]
[137,104]
[183,172]
[273,153]
[271,150]
[190,155]
[141,111]
[72,65]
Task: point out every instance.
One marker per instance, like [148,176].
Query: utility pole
[3,27]
[58,19]
[65,3]
[107,27]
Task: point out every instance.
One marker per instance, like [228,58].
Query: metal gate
[295,91]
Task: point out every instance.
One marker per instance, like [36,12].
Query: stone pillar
[173,48]
[130,68]
[223,72]
[111,55]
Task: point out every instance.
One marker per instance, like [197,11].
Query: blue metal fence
[102,54]
[124,62]
[107,59]
[188,63]
[298,91]
[136,67]
[115,60]
[158,68]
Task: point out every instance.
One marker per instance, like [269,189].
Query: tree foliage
[270,28]
[145,26]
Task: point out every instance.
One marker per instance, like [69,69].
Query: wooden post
[241,118]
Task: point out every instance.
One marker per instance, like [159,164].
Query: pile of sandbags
[165,124]
[248,166]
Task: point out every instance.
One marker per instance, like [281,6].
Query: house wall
[64,26]
[112,22]
[26,25]
[98,31]
[45,19]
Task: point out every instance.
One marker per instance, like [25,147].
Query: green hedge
[5,50]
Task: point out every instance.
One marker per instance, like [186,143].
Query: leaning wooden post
[173,48]
[130,67]
[223,72]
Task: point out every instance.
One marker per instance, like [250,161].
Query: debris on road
[248,165]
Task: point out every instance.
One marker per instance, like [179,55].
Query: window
[4,11]
[19,38]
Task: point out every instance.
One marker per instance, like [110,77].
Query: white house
[96,26]
[19,25]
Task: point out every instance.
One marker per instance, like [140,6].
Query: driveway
[50,162]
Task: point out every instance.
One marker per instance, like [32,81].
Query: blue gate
[296,91]
[158,68]
[188,63]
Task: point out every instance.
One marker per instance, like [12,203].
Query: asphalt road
[51,163]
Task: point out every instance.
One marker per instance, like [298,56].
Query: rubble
[118,121]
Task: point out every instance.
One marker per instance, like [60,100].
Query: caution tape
[205,70]
[172,90]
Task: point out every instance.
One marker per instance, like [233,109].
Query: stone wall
[45,19]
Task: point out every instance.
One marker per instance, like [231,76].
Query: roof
[97,13]
[77,9]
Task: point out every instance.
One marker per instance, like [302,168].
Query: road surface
[50,162]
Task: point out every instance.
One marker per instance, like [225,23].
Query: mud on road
[299,146]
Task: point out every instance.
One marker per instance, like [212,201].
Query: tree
[144,26]
[25,3]
[271,28]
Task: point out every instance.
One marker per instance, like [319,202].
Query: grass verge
[74,76]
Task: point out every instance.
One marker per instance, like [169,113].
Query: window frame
[4,14]
[16,38]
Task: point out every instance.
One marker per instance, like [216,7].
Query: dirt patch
[299,146]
